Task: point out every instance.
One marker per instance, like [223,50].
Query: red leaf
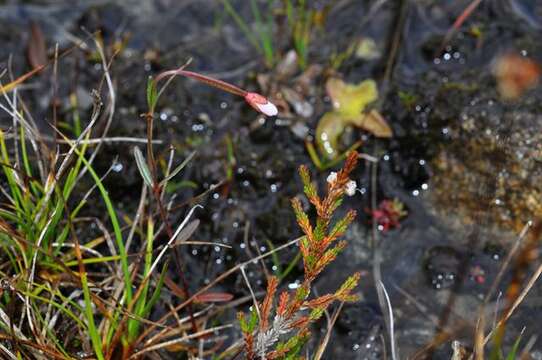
[214,297]
[37,49]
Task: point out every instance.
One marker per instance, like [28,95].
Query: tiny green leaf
[253,319]
[152,94]
[142,166]
[243,323]
[178,168]
[316,314]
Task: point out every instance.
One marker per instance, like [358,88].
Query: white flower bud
[268,109]
[332,177]
[350,188]
[261,103]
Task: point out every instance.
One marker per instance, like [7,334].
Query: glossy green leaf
[349,103]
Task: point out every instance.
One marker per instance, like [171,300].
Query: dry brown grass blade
[12,85]
[323,345]
[209,286]
[40,348]
[517,302]
[480,326]
[179,340]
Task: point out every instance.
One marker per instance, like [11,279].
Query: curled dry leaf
[187,232]
[288,66]
[300,105]
[515,74]
[367,49]
[374,123]
[349,102]
[37,48]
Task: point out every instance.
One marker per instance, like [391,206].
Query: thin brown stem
[163,214]
[219,84]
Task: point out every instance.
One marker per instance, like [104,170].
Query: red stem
[232,89]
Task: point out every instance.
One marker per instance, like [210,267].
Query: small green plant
[283,335]
[46,253]
[301,20]
[263,40]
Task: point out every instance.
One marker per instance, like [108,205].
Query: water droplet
[198,127]
[293,285]
[117,167]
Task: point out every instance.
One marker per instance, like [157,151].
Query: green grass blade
[89,314]
[242,25]
[134,324]
[513,353]
[116,227]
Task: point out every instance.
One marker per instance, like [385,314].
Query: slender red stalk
[458,22]
[219,84]
[258,102]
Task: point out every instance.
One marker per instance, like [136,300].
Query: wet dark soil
[467,165]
